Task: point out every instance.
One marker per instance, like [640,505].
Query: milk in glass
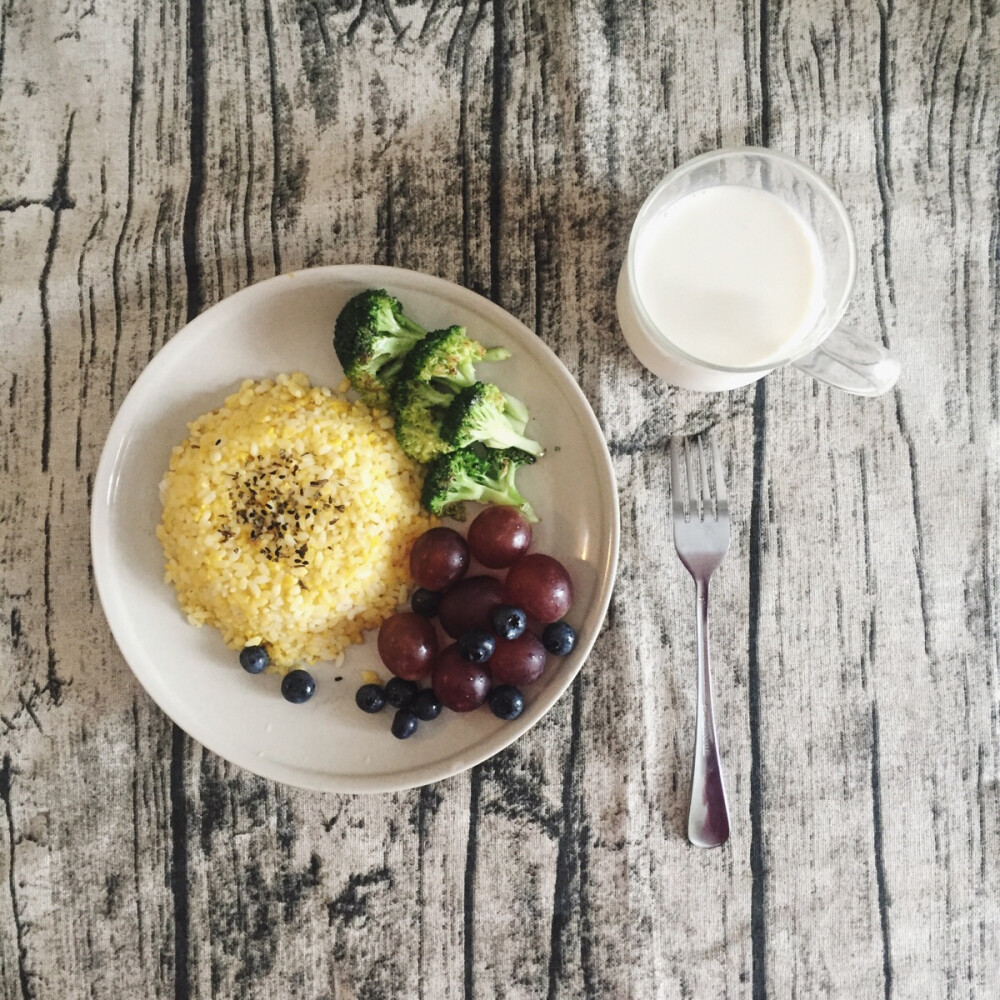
[730,275]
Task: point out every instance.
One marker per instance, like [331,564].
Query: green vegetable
[469,433]
[372,336]
[481,412]
[432,372]
[417,409]
[449,357]
[462,475]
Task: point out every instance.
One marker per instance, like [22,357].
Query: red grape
[461,685]
[407,644]
[518,661]
[469,605]
[438,558]
[499,536]
[541,586]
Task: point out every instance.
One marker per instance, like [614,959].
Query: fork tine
[720,476]
[707,498]
[694,484]
[676,488]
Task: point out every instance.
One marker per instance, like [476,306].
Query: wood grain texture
[158,158]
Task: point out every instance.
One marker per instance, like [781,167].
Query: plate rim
[303,777]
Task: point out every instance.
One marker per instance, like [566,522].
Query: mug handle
[852,362]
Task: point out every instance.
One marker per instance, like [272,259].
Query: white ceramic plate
[281,325]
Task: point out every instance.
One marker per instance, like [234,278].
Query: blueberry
[426,602]
[506,702]
[254,659]
[400,693]
[404,724]
[509,622]
[298,686]
[559,638]
[476,646]
[370,698]
[426,705]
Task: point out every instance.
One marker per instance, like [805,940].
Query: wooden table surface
[158,157]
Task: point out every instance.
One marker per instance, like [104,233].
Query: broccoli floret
[504,463]
[448,357]
[480,413]
[371,337]
[417,410]
[463,475]
[431,374]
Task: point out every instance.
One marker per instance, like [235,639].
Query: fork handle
[708,817]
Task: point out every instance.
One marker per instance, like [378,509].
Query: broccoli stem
[505,436]
[415,329]
[516,410]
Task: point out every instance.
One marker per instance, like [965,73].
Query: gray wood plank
[86,229]
[910,747]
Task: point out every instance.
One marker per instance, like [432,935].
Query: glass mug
[821,346]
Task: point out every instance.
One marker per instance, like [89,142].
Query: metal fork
[701,536]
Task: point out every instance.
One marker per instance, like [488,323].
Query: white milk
[730,275]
